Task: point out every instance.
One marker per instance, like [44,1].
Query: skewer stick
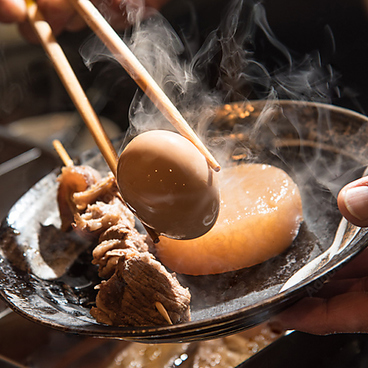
[71,83]
[162,310]
[60,150]
[63,154]
[139,74]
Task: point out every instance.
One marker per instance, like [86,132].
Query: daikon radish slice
[260,215]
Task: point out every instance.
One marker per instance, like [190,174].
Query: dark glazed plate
[47,276]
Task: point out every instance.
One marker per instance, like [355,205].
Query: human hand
[61,15]
[12,11]
[353,202]
[339,306]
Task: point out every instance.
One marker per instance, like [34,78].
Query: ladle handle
[139,74]
[71,83]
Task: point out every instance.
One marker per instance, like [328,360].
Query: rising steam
[227,67]
[241,60]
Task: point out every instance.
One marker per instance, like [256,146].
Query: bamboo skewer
[139,74]
[61,151]
[162,310]
[71,83]
[80,100]
[68,162]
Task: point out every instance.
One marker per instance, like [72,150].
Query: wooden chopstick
[139,74]
[71,83]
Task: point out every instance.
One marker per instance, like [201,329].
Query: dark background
[336,30]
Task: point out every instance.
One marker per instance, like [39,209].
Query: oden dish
[260,215]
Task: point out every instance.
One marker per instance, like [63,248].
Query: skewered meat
[73,179]
[99,216]
[129,296]
[113,244]
[136,283]
[105,189]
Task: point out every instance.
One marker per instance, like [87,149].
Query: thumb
[353,202]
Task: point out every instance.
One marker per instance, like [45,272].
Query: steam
[188,78]
[239,61]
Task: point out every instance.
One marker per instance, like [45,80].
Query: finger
[12,11]
[343,286]
[346,313]
[57,13]
[353,202]
[76,23]
[357,267]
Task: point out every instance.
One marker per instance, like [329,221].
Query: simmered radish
[260,214]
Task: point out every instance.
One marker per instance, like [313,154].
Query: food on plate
[260,215]
[130,296]
[136,289]
[73,179]
[168,184]
[113,243]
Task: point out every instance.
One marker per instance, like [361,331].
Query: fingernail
[356,201]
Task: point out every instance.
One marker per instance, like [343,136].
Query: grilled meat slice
[129,297]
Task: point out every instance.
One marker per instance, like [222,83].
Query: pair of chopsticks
[129,62]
